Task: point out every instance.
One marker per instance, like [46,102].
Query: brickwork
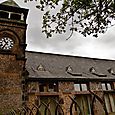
[12,64]
[66,86]
[17,28]
[17,33]
[9,101]
[9,64]
[32,98]
[96,87]
[10,82]
[114,85]
[66,89]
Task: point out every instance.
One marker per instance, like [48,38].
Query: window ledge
[45,93]
[81,92]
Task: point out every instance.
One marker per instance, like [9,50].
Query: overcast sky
[101,47]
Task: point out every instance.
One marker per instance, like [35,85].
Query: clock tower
[12,54]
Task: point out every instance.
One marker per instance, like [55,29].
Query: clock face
[6,43]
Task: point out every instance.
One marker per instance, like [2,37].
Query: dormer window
[15,16]
[11,15]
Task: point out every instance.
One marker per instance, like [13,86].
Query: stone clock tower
[12,54]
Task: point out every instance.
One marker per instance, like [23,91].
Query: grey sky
[101,47]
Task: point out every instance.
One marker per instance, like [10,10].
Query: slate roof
[55,66]
[10,3]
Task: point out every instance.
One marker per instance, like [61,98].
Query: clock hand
[6,43]
[3,46]
[6,40]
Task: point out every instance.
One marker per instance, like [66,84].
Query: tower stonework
[46,83]
[12,54]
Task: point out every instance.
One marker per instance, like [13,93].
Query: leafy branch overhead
[84,16]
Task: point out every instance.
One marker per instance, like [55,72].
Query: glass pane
[79,102]
[103,86]
[108,86]
[84,103]
[112,102]
[84,87]
[77,87]
[42,107]
[107,103]
[52,104]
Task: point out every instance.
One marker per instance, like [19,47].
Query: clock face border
[14,37]
[6,43]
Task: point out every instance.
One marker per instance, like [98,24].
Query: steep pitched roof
[10,3]
[65,67]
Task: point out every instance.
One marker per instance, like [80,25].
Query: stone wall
[66,89]
[96,87]
[10,82]
[17,32]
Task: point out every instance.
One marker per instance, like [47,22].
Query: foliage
[84,16]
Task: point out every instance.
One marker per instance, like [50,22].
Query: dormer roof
[10,3]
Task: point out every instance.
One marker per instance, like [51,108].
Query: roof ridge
[67,55]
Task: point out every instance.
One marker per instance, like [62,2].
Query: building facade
[81,86]
[49,84]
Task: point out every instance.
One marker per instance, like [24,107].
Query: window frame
[107,86]
[80,87]
[47,86]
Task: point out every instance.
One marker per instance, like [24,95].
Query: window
[110,102]
[51,87]
[48,87]
[108,97]
[84,102]
[80,87]
[106,86]
[49,102]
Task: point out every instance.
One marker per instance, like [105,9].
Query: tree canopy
[88,17]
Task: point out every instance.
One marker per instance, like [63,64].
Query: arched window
[109,97]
